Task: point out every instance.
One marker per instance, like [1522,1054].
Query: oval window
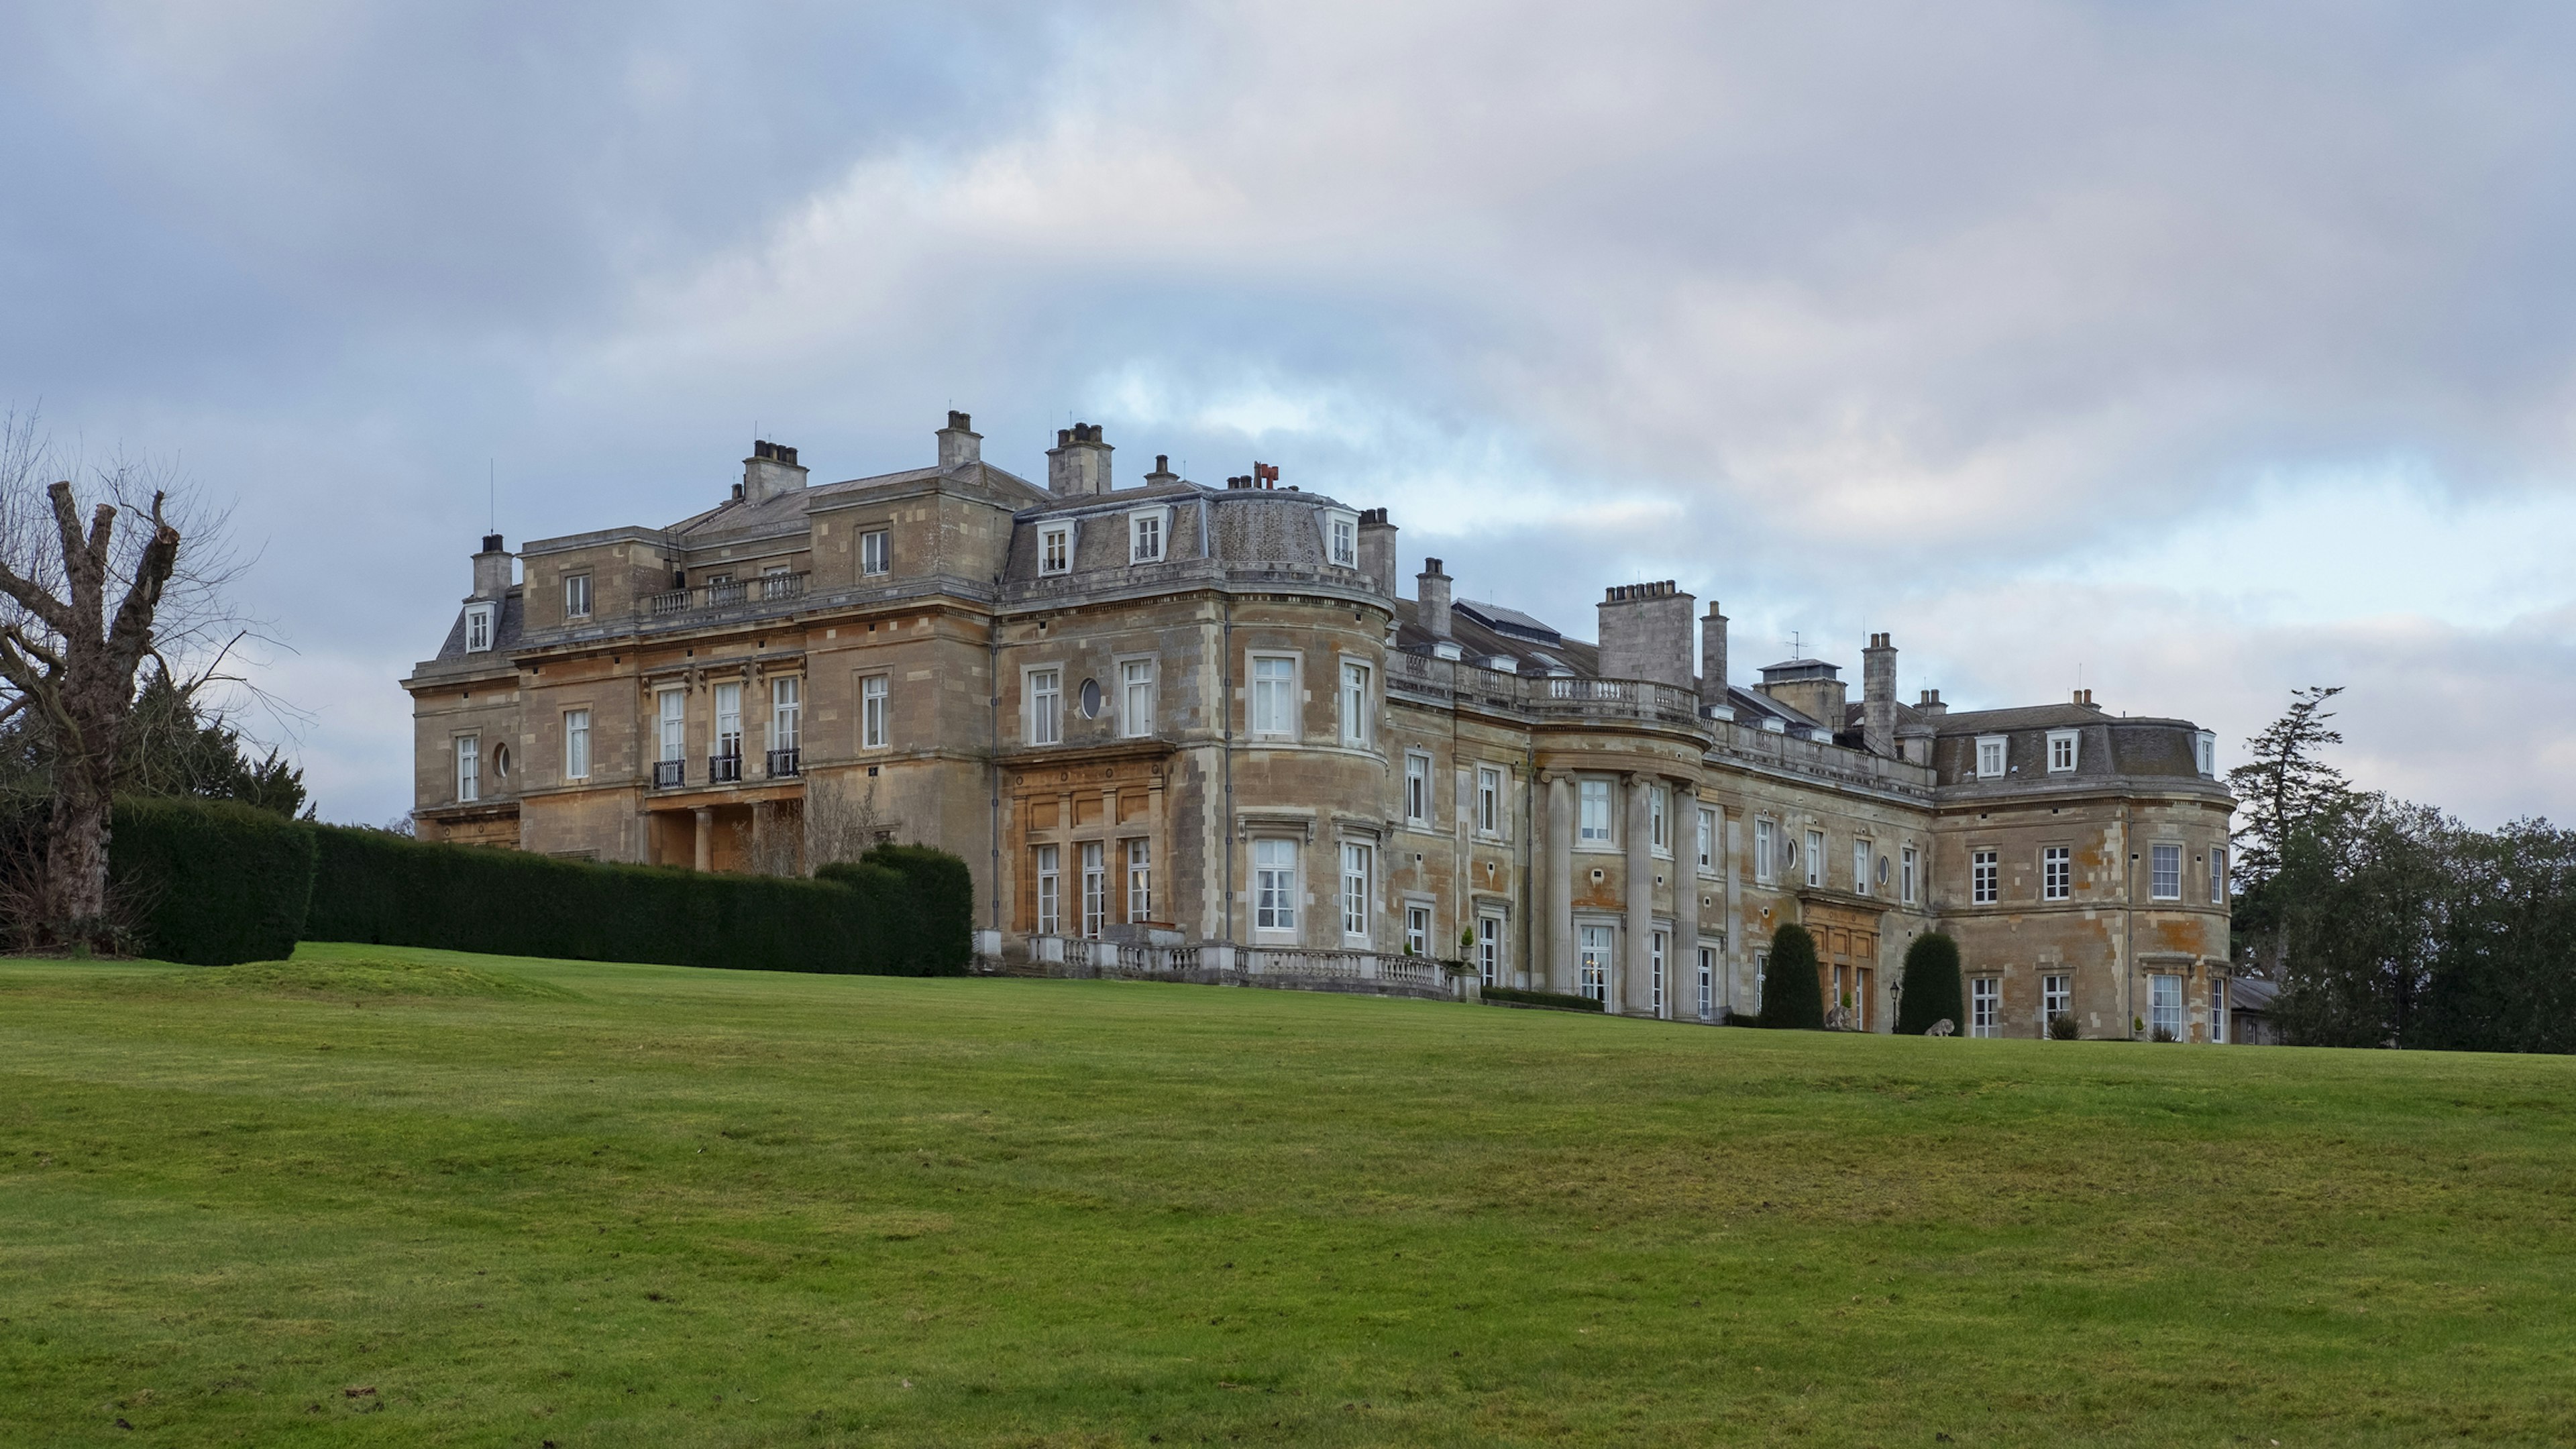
[500,762]
[1091,699]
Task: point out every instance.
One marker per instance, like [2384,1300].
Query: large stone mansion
[1174,713]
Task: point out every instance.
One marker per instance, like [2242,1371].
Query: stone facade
[1199,716]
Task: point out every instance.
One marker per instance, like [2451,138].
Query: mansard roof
[1479,643]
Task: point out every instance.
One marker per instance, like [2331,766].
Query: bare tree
[840,822]
[82,605]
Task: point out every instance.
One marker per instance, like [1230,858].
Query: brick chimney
[1377,550]
[492,569]
[771,469]
[1878,696]
[1646,633]
[959,443]
[1431,599]
[1078,464]
[1712,656]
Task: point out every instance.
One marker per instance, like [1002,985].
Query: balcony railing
[670,774]
[724,769]
[1558,697]
[782,763]
[733,593]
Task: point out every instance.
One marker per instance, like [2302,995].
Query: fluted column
[1681,974]
[1560,885]
[1632,989]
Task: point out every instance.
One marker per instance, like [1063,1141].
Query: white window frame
[1985,1005]
[1417,788]
[1050,891]
[2056,999]
[478,628]
[1994,756]
[1658,949]
[1042,721]
[1095,889]
[1417,929]
[1708,837]
[2205,753]
[469,768]
[1816,858]
[1489,948]
[1055,548]
[1985,878]
[1593,827]
[1355,697]
[876,692]
[728,707]
[1148,535]
[1138,681]
[1140,880]
[1341,538]
[2218,875]
[1359,864]
[2064,747]
[2165,1013]
[1659,833]
[1707,957]
[576,744]
[1594,944]
[577,596]
[1489,801]
[1272,708]
[671,724]
[1274,879]
[1864,856]
[786,711]
[2164,871]
[876,552]
[1906,859]
[1766,851]
[2056,873]
[2218,1011]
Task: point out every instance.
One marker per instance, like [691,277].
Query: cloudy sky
[2191,352]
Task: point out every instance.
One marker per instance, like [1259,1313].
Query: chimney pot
[1712,656]
[1431,600]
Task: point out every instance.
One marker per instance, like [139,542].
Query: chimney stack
[2084,697]
[1431,598]
[1377,550]
[1078,464]
[1646,634]
[1162,473]
[1878,696]
[1931,704]
[1712,656]
[959,443]
[491,569]
[771,469]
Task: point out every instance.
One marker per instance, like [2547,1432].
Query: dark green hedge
[1930,991]
[1541,998]
[1792,997]
[943,890]
[212,883]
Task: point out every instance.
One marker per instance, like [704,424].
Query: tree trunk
[75,894]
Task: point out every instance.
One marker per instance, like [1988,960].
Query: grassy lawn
[381,1196]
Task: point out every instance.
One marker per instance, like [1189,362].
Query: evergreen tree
[1792,997]
[171,747]
[2284,792]
[1930,991]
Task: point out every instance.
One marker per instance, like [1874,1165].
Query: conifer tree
[1792,998]
[1931,991]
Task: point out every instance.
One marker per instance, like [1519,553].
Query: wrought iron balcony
[724,769]
[783,763]
[670,774]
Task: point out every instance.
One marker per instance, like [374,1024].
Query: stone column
[1632,987]
[1560,884]
[706,852]
[1681,977]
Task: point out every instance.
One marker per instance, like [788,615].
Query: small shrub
[1930,989]
[2162,1033]
[2062,1027]
[1557,999]
[1792,998]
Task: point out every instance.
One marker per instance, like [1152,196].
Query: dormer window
[2207,750]
[1055,549]
[1145,528]
[2061,751]
[1990,757]
[478,628]
[1342,539]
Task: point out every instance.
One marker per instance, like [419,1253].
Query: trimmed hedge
[212,883]
[1792,998]
[1557,999]
[1930,992]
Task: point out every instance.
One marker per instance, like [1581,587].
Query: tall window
[1095,890]
[1766,845]
[1595,812]
[872,712]
[1862,862]
[1274,885]
[2061,751]
[576,744]
[1761,976]
[478,628]
[1594,962]
[1983,877]
[1055,549]
[1905,874]
[1355,704]
[576,596]
[1489,949]
[1140,880]
[674,724]
[2056,873]
[1985,1005]
[1274,695]
[1145,536]
[469,769]
[1417,788]
[2167,862]
[1707,854]
[1050,892]
[1815,857]
[1708,983]
[876,552]
[2164,997]
[1659,945]
[1489,800]
[2218,875]
[1990,757]
[2056,999]
[2217,1009]
[1659,836]
[786,712]
[1417,930]
[2208,752]
[1355,890]
[1046,706]
[1136,697]
[1344,533]
[729,721]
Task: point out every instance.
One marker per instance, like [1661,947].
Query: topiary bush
[209,882]
[1931,990]
[1792,998]
[943,892]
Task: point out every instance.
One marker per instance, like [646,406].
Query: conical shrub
[1931,991]
[1792,998]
